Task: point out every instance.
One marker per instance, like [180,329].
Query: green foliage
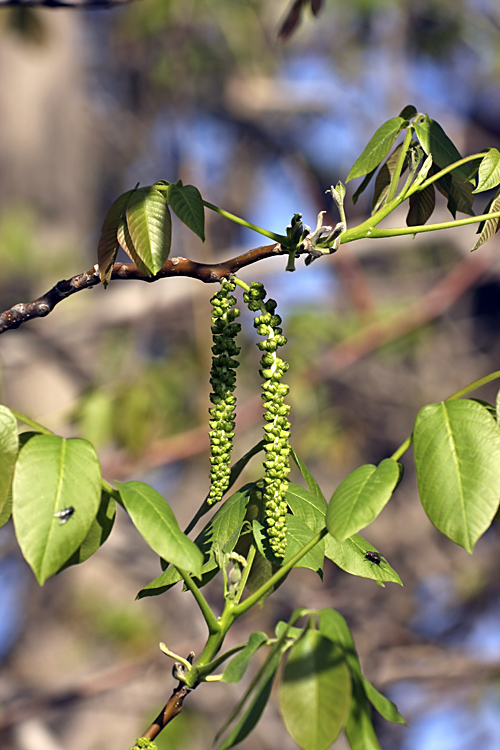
[63,511]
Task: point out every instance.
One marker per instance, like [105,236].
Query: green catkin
[277,428]
[223,382]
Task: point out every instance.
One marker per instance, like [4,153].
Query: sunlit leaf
[9,447]
[360,498]
[155,521]
[187,203]
[312,484]
[316,691]
[308,507]
[489,228]
[489,171]
[108,243]
[350,555]
[150,227]
[53,474]
[99,531]
[378,147]
[457,460]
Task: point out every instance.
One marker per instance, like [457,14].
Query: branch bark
[206,272]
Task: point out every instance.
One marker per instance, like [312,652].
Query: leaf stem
[442,173]
[31,423]
[249,602]
[458,394]
[280,238]
[213,624]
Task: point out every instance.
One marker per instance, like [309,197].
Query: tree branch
[206,272]
[169,712]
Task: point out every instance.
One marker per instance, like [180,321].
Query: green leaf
[359,729]
[261,689]
[262,570]
[489,227]
[384,178]
[362,187]
[350,556]
[298,534]
[377,148]
[316,691]
[408,112]
[422,206]
[489,171]
[99,531]
[187,203]
[381,704]
[436,143]
[53,474]
[307,506]
[237,667]
[150,227]
[360,498]
[312,484]
[221,528]
[457,460]
[155,521]
[108,243]
[9,447]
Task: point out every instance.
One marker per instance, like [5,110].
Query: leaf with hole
[457,460]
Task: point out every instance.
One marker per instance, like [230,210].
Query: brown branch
[169,712]
[84,5]
[206,272]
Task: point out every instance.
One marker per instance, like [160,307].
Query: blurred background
[94,101]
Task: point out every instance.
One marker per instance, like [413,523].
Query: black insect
[373,557]
[64,515]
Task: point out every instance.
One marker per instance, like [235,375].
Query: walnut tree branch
[206,272]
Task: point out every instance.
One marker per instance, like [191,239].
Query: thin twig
[206,272]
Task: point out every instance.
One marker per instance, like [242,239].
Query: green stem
[435,177]
[280,238]
[399,165]
[214,627]
[368,230]
[31,423]
[245,573]
[249,602]
[458,394]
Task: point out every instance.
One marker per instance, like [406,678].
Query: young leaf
[489,171]
[316,691]
[150,227]
[237,667]
[384,178]
[125,242]
[377,148]
[312,484]
[155,521]
[360,498]
[187,204]
[99,531]
[9,447]
[351,557]
[457,460]
[489,227]
[436,143]
[52,475]
[108,243]
[408,112]
[308,507]
[421,206]
[381,704]
[221,528]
